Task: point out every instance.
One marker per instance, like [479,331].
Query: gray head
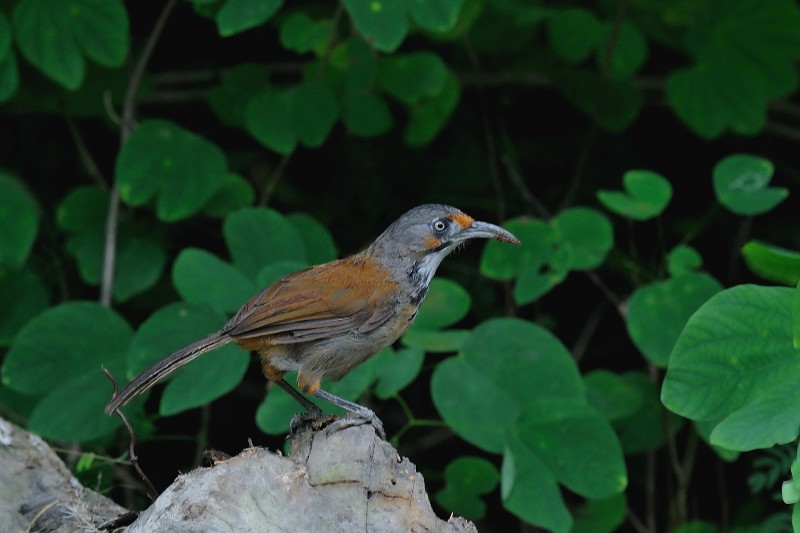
[423,236]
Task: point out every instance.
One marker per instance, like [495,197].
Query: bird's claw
[314,417]
[354,419]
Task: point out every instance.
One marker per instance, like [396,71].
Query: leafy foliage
[269,136]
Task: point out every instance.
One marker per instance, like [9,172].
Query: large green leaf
[629,49]
[257,237]
[612,394]
[381,22]
[64,343]
[236,16]
[586,234]
[302,34]
[140,263]
[576,444]
[395,370]
[235,193]
[178,168]
[61,353]
[504,366]
[203,278]
[644,429]
[84,208]
[745,52]
[530,490]
[601,516]
[429,115]
[658,312]
[237,86]
[735,362]
[19,221]
[318,241]
[55,35]
[741,185]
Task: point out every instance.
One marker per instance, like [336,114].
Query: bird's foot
[358,418]
[313,417]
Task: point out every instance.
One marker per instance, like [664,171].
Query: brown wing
[320,302]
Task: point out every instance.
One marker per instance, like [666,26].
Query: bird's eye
[439,225]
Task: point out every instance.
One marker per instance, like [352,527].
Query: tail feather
[162,369]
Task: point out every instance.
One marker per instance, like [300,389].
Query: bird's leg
[362,414]
[314,412]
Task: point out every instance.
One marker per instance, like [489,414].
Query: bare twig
[85,156]
[151,490]
[126,127]
[38,515]
[518,181]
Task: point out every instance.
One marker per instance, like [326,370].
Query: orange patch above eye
[431,243]
[462,219]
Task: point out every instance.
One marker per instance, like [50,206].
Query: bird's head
[423,236]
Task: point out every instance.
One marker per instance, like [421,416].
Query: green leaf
[22,297]
[576,444]
[446,303]
[629,53]
[573,33]
[745,52]
[66,342]
[612,395]
[55,35]
[530,490]
[613,103]
[433,341]
[382,23]
[796,317]
[644,429]
[318,241]
[203,278]
[9,77]
[235,193]
[395,370]
[178,168]
[741,185]
[315,112]
[237,86]
[435,15]
[466,479]
[413,77]
[735,362]
[87,249]
[236,16]
[73,412]
[429,115]
[600,516]
[535,366]
[259,236]
[366,115]
[772,262]
[658,312]
[139,266]
[587,235]
[646,195]
[19,221]
[276,411]
[683,259]
[83,208]
[269,118]
[302,34]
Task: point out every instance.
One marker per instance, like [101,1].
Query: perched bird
[325,320]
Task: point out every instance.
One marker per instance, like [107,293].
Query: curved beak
[484,230]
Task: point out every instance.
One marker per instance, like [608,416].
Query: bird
[323,321]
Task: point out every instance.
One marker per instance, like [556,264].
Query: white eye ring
[439,225]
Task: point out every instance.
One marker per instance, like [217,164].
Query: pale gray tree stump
[337,479]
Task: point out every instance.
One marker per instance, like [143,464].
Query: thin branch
[527,196]
[151,490]
[126,127]
[38,515]
[85,156]
[274,178]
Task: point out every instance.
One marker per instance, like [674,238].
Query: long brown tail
[162,369]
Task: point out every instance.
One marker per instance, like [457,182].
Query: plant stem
[126,127]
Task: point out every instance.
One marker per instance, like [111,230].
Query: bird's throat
[423,270]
